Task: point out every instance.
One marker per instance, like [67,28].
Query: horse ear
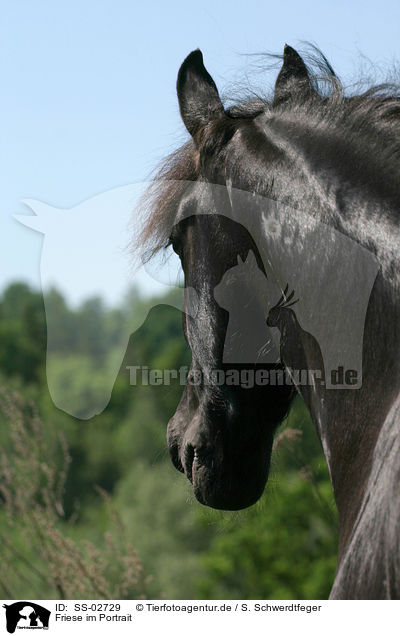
[46,216]
[293,77]
[198,97]
[240,262]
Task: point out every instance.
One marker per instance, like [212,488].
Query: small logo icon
[26,615]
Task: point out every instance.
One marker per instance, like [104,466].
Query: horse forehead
[203,199]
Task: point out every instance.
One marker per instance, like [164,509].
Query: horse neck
[369,556]
[360,429]
[354,425]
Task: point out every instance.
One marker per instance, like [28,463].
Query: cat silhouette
[247,294]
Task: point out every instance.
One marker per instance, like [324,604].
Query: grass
[38,552]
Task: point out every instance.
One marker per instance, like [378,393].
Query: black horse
[320,160]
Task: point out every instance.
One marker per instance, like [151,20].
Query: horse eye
[175,244]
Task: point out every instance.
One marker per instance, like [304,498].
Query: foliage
[284,547]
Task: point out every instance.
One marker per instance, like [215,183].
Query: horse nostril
[178,464]
[175,458]
[188,459]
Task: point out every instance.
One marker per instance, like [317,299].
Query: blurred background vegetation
[95,508]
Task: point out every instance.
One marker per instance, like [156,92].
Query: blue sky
[88,88]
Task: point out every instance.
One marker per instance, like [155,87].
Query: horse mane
[368,119]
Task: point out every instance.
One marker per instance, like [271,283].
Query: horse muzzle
[227,470]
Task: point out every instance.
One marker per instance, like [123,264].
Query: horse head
[221,435]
